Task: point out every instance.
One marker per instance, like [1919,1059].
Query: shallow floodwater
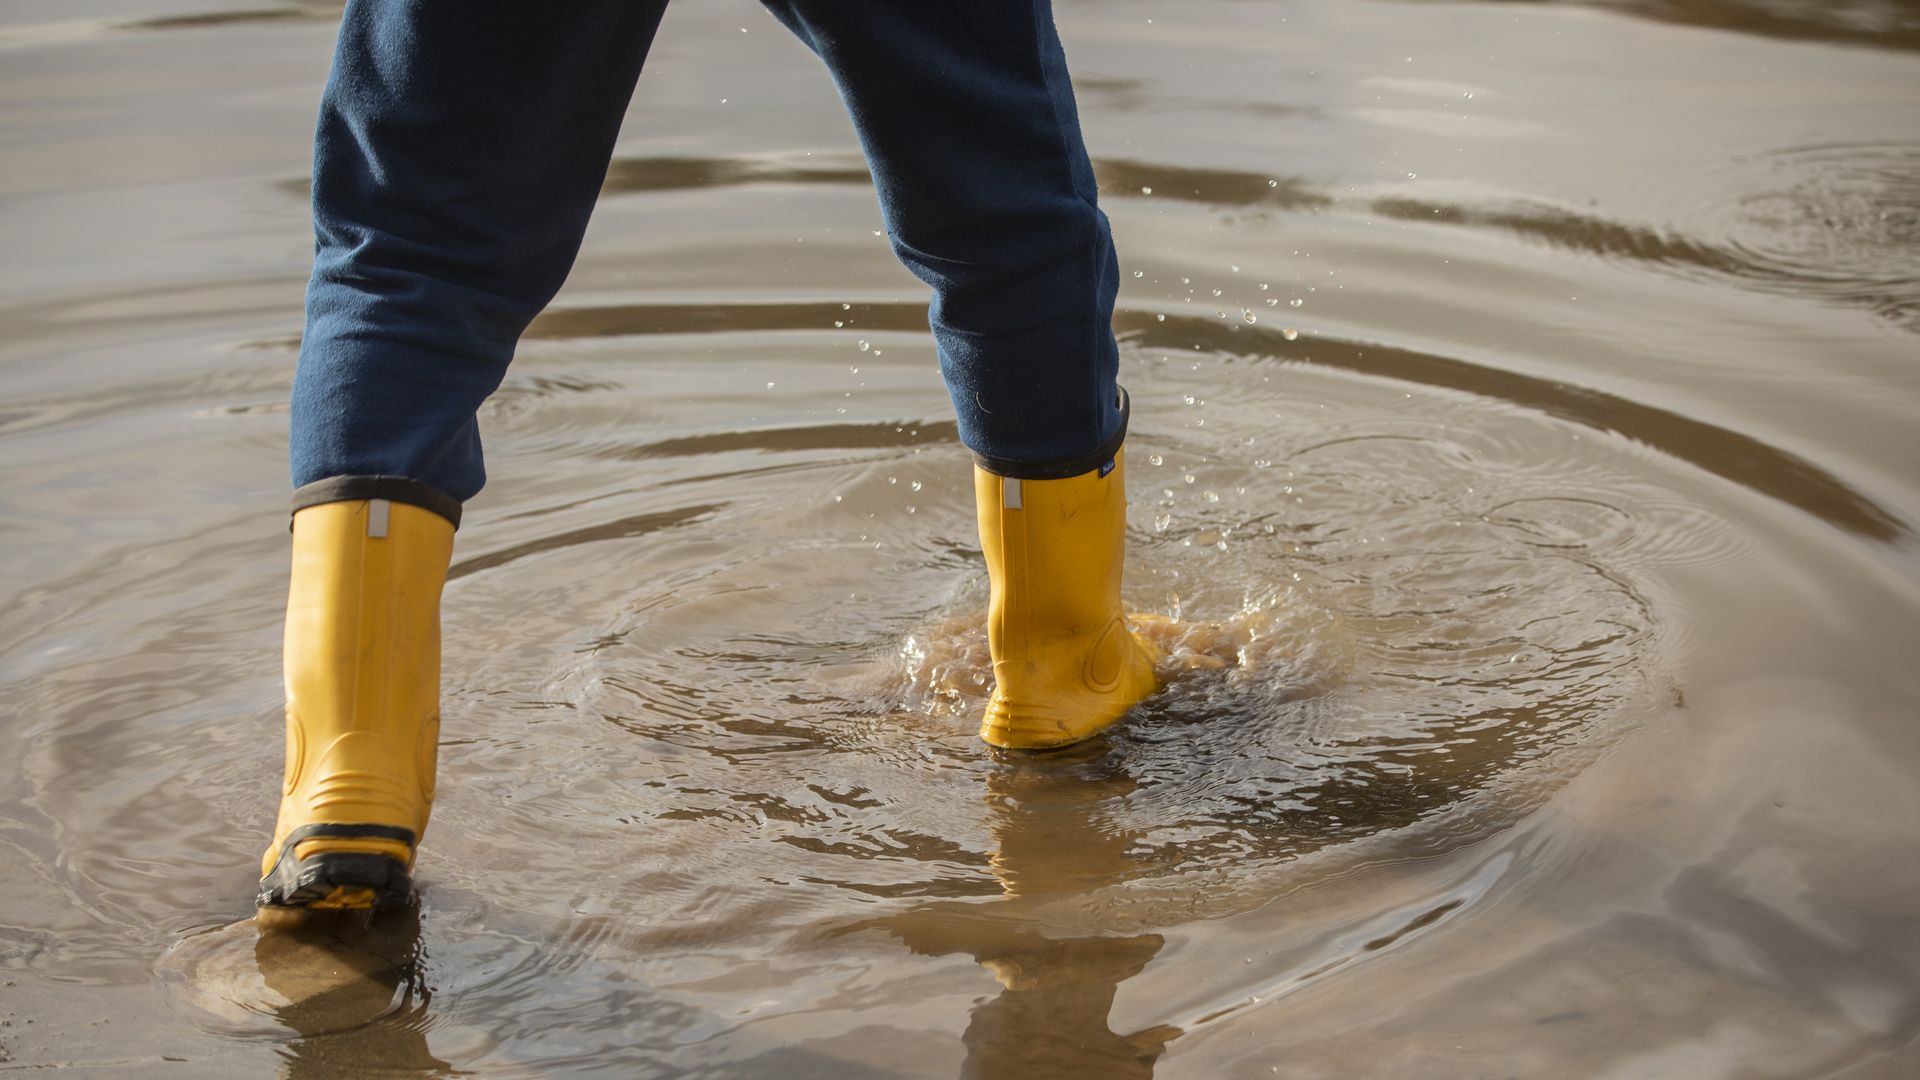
[1525,455]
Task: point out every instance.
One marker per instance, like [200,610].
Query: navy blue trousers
[461,146]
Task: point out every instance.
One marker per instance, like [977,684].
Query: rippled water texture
[1524,485]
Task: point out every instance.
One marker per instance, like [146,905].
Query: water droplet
[839,322]
[1216,292]
[1249,316]
[893,479]
[1295,302]
[1187,478]
[1156,459]
[1290,334]
[865,346]
[915,485]
[1212,496]
[1264,286]
[1261,463]
[769,386]
[1273,301]
[1190,399]
[854,370]
[1159,318]
[1236,269]
[1273,183]
[1139,273]
[1161,521]
[910,509]
[846,307]
[1146,191]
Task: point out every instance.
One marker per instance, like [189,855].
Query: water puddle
[1521,490]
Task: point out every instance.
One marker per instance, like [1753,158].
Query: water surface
[1524,454]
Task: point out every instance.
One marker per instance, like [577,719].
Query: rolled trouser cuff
[1093,459]
[398,489]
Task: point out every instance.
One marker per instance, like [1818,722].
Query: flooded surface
[1524,456]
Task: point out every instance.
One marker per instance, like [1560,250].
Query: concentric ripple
[1844,221]
[1484,401]
[1394,613]
[744,710]
[1376,624]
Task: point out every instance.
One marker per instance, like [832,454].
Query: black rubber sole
[338,880]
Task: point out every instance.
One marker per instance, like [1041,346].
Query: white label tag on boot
[377,512]
[1010,494]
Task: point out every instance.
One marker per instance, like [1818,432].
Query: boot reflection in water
[459,152]
[1053,849]
[353,992]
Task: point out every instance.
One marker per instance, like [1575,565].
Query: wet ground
[1524,435]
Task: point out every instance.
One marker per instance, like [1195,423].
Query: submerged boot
[1065,663]
[363,704]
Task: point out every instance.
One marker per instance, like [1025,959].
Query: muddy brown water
[1525,406]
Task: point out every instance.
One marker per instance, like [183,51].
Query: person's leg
[460,149]
[459,152]
[967,118]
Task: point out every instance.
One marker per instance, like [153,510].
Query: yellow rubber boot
[1065,663]
[363,704]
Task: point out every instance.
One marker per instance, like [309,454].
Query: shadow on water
[1118,177]
[1886,24]
[1723,452]
[1560,228]
[1840,227]
[622,529]
[677,174]
[808,437]
[1055,843]
[296,12]
[1728,454]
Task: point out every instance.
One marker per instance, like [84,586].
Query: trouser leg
[460,148]
[968,122]
[967,118]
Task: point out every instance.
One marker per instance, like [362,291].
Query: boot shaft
[1065,663]
[362,663]
[1054,554]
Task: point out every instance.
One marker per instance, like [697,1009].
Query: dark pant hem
[1097,458]
[395,488]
